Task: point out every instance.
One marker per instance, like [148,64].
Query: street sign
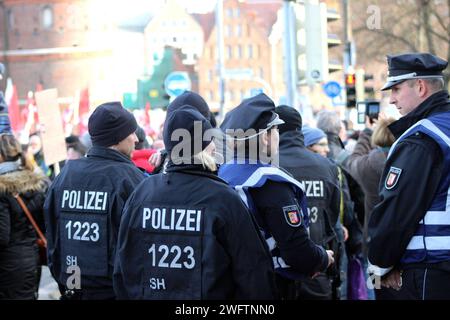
[332,89]
[176,83]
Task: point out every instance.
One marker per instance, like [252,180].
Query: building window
[237,12]
[243,94]
[11,21]
[238,31]
[250,51]
[229,13]
[229,52]
[239,51]
[47,17]
[211,95]
[261,73]
[227,31]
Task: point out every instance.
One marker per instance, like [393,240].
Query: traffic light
[364,90]
[350,88]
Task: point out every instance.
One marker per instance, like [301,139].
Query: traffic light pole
[220,62]
[348,41]
[289,46]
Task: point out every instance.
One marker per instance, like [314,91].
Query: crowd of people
[262,207]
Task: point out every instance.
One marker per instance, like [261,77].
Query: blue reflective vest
[431,241]
[242,177]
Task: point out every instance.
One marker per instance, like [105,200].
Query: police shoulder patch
[293,215]
[392,178]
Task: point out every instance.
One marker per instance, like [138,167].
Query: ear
[265,138]
[422,88]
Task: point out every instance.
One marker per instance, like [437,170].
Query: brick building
[68,45]
[246,30]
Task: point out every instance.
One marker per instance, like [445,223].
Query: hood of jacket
[21,181]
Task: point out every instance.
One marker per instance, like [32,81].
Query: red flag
[84,102]
[31,103]
[12,100]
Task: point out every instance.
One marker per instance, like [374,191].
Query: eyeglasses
[322,144]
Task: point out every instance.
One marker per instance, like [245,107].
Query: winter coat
[18,251]
[366,165]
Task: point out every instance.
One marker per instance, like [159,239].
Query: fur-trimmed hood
[21,181]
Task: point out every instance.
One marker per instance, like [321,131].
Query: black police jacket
[186,234]
[319,178]
[395,219]
[82,214]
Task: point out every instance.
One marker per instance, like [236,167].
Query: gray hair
[435,84]
[329,121]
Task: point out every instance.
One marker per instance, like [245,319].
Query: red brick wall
[74,25]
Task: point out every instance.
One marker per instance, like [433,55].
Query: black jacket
[82,213]
[319,178]
[395,219]
[186,234]
[18,251]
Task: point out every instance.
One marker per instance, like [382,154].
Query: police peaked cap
[256,113]
[408,66]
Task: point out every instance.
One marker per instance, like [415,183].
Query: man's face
[321,147]
[405,96]
[127,145]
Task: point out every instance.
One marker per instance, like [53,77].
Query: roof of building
[206,21]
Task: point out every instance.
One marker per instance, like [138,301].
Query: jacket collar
[108,153]
[333,139]
[437,102]
[194,169]
[9,166]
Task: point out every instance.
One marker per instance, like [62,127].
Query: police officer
[318,177]
[84,204]
[275,198]
[185,234]
[409,228]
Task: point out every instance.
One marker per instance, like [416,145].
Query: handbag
[41,241]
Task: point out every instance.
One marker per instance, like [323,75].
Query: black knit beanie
[190,119]
[291,117]
[110,123]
